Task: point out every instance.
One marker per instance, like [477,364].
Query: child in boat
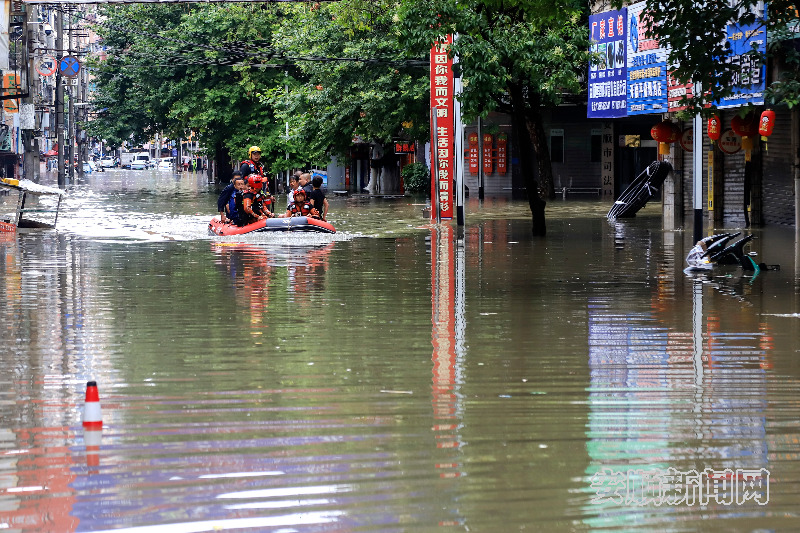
[301,207]
[317,197]
[254,200]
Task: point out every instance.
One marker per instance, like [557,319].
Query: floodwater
[395,376]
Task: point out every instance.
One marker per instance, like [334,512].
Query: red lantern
[714,128]
[747,127]
[664,133]
[767,123]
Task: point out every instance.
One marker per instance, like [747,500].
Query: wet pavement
[395,376]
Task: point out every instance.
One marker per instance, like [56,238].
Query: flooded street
[390,377]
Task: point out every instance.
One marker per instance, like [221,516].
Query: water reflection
[398,376]
[447,337]
[668,399]
[299,271]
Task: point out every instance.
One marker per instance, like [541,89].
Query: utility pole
[697,171]
[59,122]
[30,157]
[71,109]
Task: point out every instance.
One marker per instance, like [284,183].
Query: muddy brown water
[396,376]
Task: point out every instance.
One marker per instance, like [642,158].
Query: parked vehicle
[125,159]
[87,168]
[141,161]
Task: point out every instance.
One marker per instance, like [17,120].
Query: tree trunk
[223,159]
[528,135]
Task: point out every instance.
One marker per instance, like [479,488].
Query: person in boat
[294,184]
[254,200]
[305,183]
[225,197]
[301,207]
[317,197]
[235,206]
[252,165]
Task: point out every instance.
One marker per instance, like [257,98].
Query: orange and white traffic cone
[92,415]
[92,439]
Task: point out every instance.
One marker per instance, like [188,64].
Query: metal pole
[458,133]
[71,109]
[480,159]
[59,118]
[697,171]
[30,157]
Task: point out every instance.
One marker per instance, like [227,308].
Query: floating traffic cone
[92,415]
[92,438]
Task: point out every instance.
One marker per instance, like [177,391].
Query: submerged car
[107,162]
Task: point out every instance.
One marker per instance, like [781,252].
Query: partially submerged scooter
[715,250]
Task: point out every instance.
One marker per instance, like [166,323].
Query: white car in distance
[140,161]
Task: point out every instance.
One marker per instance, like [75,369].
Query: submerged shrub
[416,177]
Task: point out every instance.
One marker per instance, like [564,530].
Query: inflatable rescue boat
[215,227]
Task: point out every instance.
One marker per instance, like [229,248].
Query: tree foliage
[517,57]
[354,79]
[238,74]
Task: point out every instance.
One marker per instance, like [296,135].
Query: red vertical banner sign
[487,153]
[502,145]
[472,142]
[442,135]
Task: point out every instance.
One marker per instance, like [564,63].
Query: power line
[241,51]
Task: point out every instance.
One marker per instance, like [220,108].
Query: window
[557,145]
[596,148]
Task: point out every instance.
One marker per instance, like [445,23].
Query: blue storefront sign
[608,79]
[647,65]
[749,78]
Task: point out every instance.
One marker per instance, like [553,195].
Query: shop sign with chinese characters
[403,147]
[487,153]
[647,65]
[608,72]
[502,143]
[749,71]
[676,90]
[472,154]
[607,159]
[442,135]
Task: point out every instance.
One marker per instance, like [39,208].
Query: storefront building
[747,179]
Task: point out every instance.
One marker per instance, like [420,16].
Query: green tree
[517,57]
[353,78]
[171,68]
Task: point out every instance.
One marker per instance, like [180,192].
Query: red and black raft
[215,227]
